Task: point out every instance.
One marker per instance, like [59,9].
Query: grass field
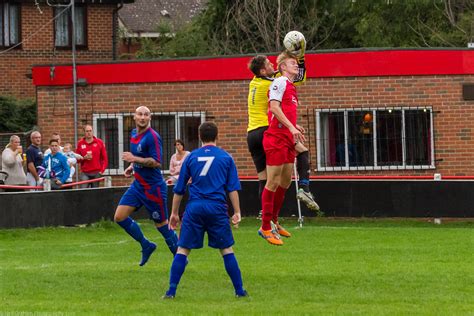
[364,267]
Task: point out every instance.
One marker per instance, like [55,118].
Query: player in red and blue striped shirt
[149,188]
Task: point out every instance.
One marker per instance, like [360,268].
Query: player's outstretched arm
[174,217]
[147,162]
[234,199]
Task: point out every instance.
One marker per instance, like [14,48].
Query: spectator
[56,137]
[176,161]
[72,158]
[55,166]
[12,162]
[94,161]
[34,159]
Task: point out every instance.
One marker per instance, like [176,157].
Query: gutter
[115,30]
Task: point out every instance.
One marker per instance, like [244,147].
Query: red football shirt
[283,90]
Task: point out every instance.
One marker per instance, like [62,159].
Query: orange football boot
[283,232]
[269,236]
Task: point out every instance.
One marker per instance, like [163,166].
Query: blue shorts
[205,216]
[154,199]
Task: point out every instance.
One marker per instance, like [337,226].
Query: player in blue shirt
[213,174]
[149,188]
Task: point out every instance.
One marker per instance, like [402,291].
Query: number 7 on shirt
[207,165]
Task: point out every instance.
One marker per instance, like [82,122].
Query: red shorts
[279,149]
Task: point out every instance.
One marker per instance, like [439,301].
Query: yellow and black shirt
[258,97]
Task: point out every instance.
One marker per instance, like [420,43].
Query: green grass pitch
[329,267]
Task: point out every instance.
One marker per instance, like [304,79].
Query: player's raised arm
[295,43]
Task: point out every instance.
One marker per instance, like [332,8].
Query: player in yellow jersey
[264,73]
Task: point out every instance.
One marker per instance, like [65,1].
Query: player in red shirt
[279,143]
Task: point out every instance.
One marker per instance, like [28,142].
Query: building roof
[145,16]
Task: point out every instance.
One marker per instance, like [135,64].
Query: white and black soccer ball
[293,41]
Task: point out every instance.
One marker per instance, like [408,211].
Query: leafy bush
[17,115]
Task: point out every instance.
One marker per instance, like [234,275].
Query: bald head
[142,118]
[88,133]
[143,108]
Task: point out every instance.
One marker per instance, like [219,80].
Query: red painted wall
[338,64]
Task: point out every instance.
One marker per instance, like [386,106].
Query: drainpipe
[115,30]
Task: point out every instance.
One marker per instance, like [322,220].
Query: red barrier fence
[361,177]
[41,187]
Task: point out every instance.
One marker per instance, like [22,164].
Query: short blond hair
[284,57]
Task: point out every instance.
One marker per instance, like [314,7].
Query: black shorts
[255,144]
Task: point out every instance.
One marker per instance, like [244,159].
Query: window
[63,27]
[375,139]
[115,129]
[9,24]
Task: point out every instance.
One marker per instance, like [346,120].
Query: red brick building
[30,34]
[389,112]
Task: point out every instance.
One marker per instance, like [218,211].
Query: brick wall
[38,48]
[225,103]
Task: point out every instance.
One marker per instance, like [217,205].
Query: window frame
[375,166]
[69,28]
[4,23]
[120,117]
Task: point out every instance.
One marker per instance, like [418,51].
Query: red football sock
[267,208]
[278,202]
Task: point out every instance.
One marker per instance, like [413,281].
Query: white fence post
[108,181]
[47,185]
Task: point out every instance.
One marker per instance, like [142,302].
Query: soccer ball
[293,41]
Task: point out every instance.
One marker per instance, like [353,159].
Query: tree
[17,115]
[456,27]
[408,23]
[258,26]
[247,26]
[250,26]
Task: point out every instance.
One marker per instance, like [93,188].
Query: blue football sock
[170,237]
[233,270]
[177,270]
[134,230]
[303,182]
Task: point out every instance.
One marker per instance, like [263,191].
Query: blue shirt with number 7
[212,172]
